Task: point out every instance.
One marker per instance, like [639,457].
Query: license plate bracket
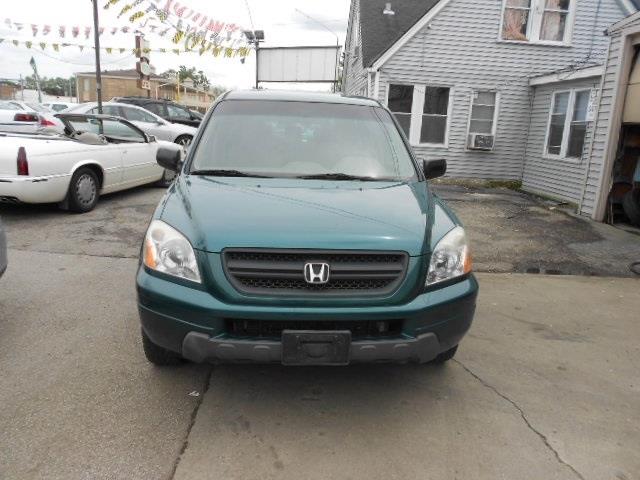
[310,347]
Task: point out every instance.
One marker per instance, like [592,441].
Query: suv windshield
[303,139]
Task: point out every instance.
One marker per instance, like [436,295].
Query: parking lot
[546,385]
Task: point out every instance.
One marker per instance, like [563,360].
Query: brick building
[121,83]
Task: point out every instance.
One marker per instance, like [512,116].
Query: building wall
[8,92]
[560,178]
[604,120]
[460,49]
[355,74]
[111,87]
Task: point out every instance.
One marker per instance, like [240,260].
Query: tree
[57,86]
[198,77]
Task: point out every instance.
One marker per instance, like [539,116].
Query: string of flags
[216,51]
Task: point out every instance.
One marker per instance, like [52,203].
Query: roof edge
[623,23]
[567,76]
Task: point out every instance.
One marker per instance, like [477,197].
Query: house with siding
[502,89]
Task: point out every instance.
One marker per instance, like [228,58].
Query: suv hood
[218,213]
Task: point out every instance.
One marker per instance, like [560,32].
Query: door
[109,156]
[138,156]
[146,122]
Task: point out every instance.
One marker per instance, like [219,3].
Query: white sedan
[148,122]
[98,154]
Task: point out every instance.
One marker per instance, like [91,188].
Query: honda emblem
[316,273]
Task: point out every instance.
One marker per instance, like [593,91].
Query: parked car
[48,122]
[15,119]
[3,250]
[99,154]
[150,123]
[317,242]
[171,111]
[59,106]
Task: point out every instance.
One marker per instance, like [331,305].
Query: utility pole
[255,37]
[96,39]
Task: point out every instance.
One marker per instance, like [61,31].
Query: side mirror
[151,139]
[434,168]
[169,158]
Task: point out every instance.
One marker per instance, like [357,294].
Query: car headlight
[168,251]
[450,259]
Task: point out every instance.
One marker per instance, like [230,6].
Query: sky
[285,22]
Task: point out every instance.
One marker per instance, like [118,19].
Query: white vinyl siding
[354,79]
[598,152]
[459,49]
[545,174]
[538,21]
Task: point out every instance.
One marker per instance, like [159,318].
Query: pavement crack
[192,421]
[527,422]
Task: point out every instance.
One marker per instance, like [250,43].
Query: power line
[246,2]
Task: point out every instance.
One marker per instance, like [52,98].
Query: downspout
[532,96]
[373,80]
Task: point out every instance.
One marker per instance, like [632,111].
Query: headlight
[450,259]
[166,250]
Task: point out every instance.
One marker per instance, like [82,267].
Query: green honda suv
[301,230]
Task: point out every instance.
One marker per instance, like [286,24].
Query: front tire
[157,355]
[84,191]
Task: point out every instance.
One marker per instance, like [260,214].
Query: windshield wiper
[226,173]
[340,176]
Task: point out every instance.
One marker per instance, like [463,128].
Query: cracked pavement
[546,385]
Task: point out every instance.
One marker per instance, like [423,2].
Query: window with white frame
[538,21]
[484,112]
[400,102]
[422,111]
[567,126]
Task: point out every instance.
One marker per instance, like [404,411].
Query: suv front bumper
[192,322]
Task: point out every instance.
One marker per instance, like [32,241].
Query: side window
[422,111]
[578,126]
[178,113]
[484,112]
[435,115]
[136,115]
[547,21]
[156,108]
[111,110]
[115,129]
[559,107]
[400,102]
[106,110]
[567,123]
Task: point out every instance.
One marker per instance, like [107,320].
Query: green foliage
[198,77]
[57,86]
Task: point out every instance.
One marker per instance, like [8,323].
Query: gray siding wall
[603,121]
[355,75]
[460,49]
[560,178]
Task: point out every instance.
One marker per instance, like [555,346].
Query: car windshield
[36,107]
[8,106]
[303,139]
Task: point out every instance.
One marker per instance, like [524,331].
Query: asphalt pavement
[546,385]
